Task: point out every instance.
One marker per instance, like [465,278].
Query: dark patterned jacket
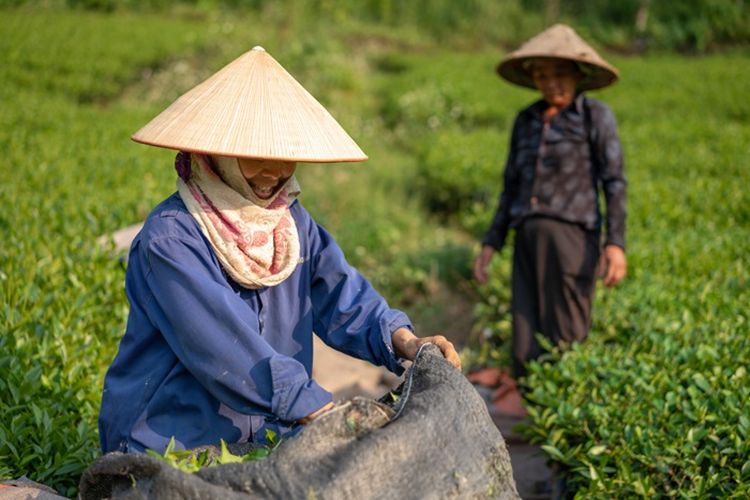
[557,170]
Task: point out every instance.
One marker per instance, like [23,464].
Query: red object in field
[488,377]
[507,399]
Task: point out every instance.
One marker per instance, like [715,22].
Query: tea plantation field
[655,404]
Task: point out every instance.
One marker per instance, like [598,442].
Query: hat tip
[259,48]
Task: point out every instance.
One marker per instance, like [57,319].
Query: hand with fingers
[406,345]
[613,264]
[482,262]
[316,414]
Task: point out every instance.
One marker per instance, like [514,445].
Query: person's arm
[349,315]
[610,168]
[494,238]
[353,318]
[213,332]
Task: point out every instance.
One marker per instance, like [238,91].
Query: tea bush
[455,171]
[422,93]
[695,25]
[37,58]
[660,391]
[655,403]
[68,178]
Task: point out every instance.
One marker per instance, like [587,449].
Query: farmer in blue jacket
[230,276]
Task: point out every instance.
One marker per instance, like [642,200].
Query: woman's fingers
[316,414]
[446,347]
[451,355]
[406,345]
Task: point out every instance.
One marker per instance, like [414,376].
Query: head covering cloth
[558,42]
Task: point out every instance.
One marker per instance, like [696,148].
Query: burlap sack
[436,441]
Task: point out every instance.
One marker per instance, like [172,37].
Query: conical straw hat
[562,42]
[251,108]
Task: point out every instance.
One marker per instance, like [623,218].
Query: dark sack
[434,441]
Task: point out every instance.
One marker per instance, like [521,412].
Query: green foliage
[69,176]
[661,414]
[456,127]
[693,25]
[492,319]
[112,49]
[654,403]
[662,382]
[698,25]
[418,98]
[688,25]
[455,172]
[191,461]
[502,21]
[77,84]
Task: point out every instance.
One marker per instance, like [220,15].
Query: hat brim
[215,152]
[596,75]
[252,108]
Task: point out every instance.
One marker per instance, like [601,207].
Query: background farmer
[230,275]
[564,149]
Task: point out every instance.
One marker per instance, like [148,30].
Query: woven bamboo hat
[251,108]
[561,42]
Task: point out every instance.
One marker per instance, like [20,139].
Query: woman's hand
[481,263]
[614,265]
[315,414]
[406,345]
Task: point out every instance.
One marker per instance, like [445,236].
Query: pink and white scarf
[255,240]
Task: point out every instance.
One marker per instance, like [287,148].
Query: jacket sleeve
[498,231]
[349,315]
[609,166]
[214,333]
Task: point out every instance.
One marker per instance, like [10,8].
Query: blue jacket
[204,359]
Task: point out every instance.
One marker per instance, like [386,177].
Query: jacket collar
[574,107]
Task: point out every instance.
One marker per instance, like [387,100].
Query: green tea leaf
[553,452]
[597,450]
[226,456]
[701,382]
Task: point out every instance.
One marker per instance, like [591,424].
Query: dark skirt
[554,278]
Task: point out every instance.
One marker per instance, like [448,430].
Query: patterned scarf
[255,240]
